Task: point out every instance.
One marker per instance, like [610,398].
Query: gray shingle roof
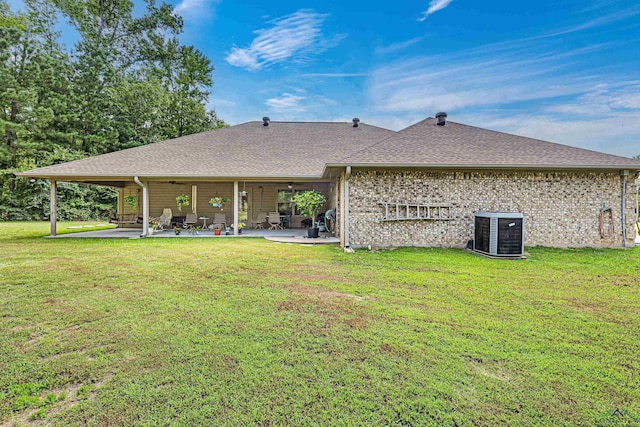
[304,149]
[457,145]
[283,149]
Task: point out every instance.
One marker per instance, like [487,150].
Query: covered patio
[248,172]
[248,202]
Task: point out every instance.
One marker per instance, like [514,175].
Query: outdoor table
[204,221]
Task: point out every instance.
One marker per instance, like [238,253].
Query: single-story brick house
[419,186]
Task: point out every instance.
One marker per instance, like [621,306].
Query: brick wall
[560,209]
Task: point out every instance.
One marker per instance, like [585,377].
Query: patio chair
[258,223]
[190,220]
[165,219]
[219,218]
[274,221]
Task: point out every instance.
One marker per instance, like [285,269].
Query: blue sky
[566,70]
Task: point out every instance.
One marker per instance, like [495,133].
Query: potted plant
[177,230]
[182,201]
[217,230]
[241,225]
[131,201]
[308,203]
[154,224]
[218,202]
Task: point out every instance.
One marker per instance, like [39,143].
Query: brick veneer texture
[561,209]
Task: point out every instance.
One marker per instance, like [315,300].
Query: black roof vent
[442,118]
[356,121]
[265,121]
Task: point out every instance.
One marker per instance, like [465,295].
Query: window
[284,202]
[285,205]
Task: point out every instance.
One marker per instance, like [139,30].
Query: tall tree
[33,72]
[128,81]
[112,44]
[139,111]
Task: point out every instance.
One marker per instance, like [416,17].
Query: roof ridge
[460,137]
[316,122]
[294,121]
[416,124]
[395,133]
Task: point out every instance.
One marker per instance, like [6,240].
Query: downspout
[624,174]
[637,204]
[53,207]
[638,201]
[236,214]
[145,206]
[347,175]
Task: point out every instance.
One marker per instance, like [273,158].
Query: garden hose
[612,229]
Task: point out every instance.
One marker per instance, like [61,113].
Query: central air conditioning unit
[499,234]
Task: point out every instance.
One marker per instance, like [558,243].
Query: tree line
[127,81]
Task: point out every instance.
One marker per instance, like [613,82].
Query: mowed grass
[237,332]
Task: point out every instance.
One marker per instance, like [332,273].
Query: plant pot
[239,230]
[217,232]
[215,205]
[312,233]
[178,232]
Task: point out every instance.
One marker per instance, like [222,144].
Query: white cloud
[603,101]
[606,119]
[301,105]
[293,37]
[596,22]
[611,134]
[477,78]
[434,6]
[219,102]
[243,58]
[286,101]
[321,101]
[195,9]
[398,46]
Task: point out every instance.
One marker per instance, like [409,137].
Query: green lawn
[245,332]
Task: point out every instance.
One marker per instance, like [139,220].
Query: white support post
[145,210]
[347,220]
[145,205]
[53,207]
[235,208]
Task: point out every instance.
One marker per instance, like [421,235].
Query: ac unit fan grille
[483,231]
[509,236]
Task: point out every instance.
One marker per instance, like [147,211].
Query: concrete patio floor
[121,233]
[282,236]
